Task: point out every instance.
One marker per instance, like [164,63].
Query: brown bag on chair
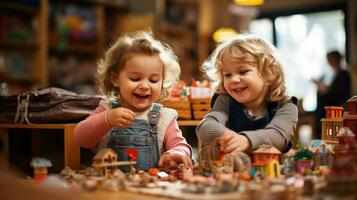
[49,105]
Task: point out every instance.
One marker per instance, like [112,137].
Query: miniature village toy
[350,117]
[107,158]
[266,160]
[331,124]
[40,166]
[321,167]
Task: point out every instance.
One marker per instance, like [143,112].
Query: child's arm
[177,149]
[213,125]
[89,132]
[278,132]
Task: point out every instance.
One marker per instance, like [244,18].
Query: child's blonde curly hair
[249,48]
[142,42]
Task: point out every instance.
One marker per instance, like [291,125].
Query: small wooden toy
[40,166]
[263,155]
[108,158]
[303,161]
[331,124]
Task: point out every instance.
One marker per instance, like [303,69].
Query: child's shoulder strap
[154,115]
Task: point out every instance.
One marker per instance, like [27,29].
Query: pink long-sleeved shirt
[90,131]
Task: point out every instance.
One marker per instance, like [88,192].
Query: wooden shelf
[71,149]
[86,49]
[18,44]
[19,80]
[188,122]
[19,7]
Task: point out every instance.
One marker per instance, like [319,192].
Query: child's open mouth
[240,89]
[141,96]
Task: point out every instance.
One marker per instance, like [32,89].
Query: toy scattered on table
[331,124]
[40,166]
[350,117]
[317,169]
[266,161]
[107,158]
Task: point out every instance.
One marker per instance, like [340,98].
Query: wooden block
[201,107]
[184,114]
[201,101]
[178,105]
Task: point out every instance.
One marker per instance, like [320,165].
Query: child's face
[243,82]
[140,82]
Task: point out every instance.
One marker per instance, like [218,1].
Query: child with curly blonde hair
[135,72]
[250,107]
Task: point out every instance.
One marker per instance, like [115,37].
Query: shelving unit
[41,58]
[23,58]
[179,28]
[71,149]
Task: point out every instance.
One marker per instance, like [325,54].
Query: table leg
[71,149]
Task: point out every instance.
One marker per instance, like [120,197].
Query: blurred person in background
[334,94]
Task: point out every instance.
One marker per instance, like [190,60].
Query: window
[337,128]
[329,131]
[302,41]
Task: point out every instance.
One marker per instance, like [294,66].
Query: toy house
[346,140]
[107,158]
[262,157]
[322,152]
[350,117]
[303,160]
[331,124]
[346,136]
[40,166]
[342,178]
[325,153]
[272,169]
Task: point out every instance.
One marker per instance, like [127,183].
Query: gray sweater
[277,133]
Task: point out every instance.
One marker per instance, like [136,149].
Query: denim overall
[140,135]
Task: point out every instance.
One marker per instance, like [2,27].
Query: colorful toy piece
[40,166]
[331,124]
[262,157]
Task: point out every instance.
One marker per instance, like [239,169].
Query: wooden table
[71,149]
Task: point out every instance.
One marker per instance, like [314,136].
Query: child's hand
[120,117]
[233,142]
[172,160]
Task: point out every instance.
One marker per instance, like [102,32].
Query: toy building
[331,124]
[265,159]
[304,159]
[40,166]
[107,158]
[350,117]
[346,140]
